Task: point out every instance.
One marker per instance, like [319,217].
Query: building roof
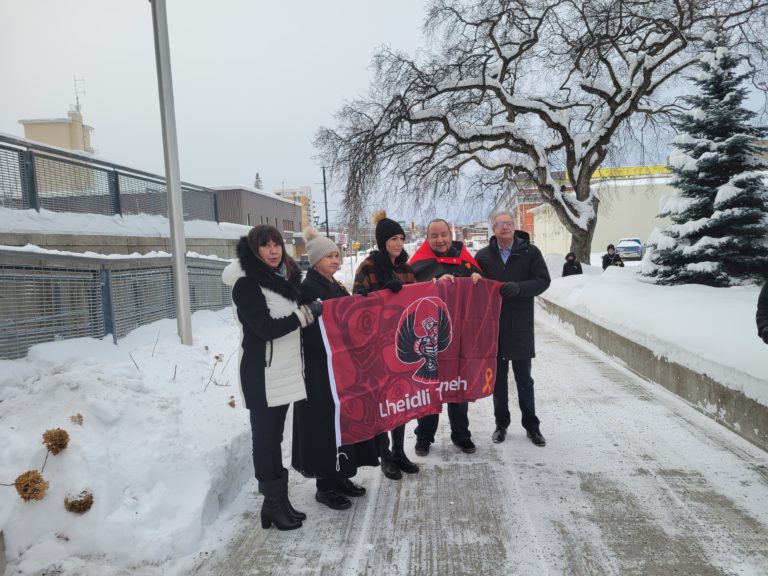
[256,191]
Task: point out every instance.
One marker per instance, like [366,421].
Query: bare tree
[525,87]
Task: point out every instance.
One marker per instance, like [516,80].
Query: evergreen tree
[719,212]
[257,182]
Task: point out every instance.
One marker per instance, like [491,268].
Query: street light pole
[172,177]
[325,199]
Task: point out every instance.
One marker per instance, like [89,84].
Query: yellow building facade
[629,204]
[69,133]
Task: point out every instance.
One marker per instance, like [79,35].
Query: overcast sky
[253,79]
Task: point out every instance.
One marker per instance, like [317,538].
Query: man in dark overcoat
[511,258]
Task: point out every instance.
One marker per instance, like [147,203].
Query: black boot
[274,510]
[291,510]
[388,466]
[398,452]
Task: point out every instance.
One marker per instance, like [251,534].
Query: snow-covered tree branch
[520,87]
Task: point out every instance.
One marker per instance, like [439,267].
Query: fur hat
[385,228]
[318,246]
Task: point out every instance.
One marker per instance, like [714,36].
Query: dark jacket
[259,327]
[526,266]
[377,272]
[612,260]
[572,268]
[458,262]
[314,432]
[762,313]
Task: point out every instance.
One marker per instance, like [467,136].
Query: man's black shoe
[422,447]
[402,462]
[537,438]
[390,469]
[499,435]
[349,488]
[333,499]
[466,445]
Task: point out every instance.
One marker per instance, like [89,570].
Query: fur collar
[265,276]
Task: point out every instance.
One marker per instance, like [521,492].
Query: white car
[630,249]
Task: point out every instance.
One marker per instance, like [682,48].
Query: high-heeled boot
[291,510]
[398,452]
[274,510]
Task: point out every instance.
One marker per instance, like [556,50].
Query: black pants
[522,372]
[457,415]
[398,441]
[267,433]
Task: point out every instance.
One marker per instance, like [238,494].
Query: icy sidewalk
[632,481]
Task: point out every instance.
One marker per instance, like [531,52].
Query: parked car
[630,248]
[303,262]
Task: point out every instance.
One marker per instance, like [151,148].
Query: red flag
[396,357]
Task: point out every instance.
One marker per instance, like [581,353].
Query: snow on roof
[255,191]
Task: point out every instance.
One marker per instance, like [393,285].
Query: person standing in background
[572,266]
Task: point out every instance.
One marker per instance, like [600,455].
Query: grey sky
[253,79]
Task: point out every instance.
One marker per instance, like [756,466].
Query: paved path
[632,481]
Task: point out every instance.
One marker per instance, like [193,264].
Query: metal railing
[44,177]
[47,297]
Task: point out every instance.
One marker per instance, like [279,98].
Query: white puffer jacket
[284,380]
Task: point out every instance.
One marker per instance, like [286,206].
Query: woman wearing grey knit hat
[314,436]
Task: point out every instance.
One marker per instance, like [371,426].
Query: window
[288,225]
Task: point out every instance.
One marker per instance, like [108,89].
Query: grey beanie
[318,246]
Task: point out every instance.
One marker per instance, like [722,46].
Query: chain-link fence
[46,297]
[39,176]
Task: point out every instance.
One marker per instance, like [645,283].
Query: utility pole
[172,176]
[325,199]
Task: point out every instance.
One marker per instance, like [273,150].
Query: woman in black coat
[265,293]
[314,435]
[572,266]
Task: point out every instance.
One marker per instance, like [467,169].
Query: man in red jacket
[441,259]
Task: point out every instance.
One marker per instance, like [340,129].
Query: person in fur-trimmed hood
[388,268]
[441,259]
[265,293]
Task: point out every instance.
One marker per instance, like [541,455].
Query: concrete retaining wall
[221,247]
[729,407]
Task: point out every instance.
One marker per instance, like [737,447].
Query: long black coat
[526,266]
[314,436]
[762,311]
[258,326]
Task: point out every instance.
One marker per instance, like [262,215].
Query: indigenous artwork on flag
[396,357]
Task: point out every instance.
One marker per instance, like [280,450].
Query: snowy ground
[633,480]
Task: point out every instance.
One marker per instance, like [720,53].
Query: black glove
[363,291]
[764,335]
[394,285]
[316,308]
[509,289]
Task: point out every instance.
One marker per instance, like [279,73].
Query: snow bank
[711,330]
[159,446]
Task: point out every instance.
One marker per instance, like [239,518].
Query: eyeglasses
[504,223]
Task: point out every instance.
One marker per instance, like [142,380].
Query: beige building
[302,195]
[69,133]
[629,203]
